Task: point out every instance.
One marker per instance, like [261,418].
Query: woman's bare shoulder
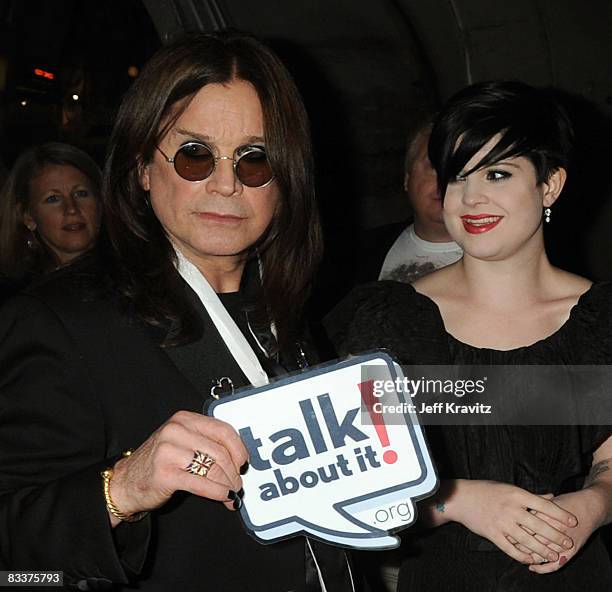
[438,282]
[570,286]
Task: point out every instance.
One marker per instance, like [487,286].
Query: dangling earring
[547,214]
[31,240]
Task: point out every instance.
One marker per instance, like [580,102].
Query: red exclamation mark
[367,394]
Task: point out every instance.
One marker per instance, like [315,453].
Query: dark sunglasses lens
[253,169]
[194,162]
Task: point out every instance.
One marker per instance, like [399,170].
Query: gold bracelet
[107,475]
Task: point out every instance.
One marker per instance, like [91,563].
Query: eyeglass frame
[172,161]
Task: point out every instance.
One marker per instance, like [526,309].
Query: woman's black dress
[540,459]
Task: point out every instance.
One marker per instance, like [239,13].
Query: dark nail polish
[232,495]
[240,493]
[237,504]
[562,560]
[244,468]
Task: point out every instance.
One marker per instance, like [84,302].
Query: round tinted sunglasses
[195,161]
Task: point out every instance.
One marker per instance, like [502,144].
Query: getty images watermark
[411,388]
[490,395]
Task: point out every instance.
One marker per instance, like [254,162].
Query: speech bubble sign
[322,460]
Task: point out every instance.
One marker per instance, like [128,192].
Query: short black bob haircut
[531,122]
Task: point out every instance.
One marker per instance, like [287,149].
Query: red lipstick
[479,223]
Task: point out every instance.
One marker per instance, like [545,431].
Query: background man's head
[420,183]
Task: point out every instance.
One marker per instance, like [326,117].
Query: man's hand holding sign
[320,466]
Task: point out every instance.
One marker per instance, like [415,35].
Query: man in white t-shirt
[425,245]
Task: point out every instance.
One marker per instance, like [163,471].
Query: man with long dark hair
[106,370]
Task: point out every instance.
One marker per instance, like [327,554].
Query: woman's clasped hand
[527,527]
